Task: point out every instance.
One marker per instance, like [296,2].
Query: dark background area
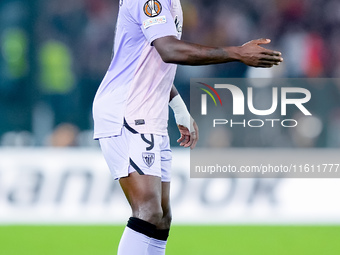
[53,55]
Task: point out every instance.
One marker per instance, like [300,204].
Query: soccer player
[131,111]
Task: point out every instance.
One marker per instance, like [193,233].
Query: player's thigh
[166,208]
[144,193]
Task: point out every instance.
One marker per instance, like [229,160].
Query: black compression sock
[142,226]
[161,234]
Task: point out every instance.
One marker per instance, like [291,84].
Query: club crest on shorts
[152,8]
[149,158]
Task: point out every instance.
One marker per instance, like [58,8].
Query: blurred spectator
[64,135]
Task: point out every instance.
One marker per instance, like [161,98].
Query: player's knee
[165,223]
[149,212]
[154,216]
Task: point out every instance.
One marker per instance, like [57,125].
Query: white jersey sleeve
[154,18]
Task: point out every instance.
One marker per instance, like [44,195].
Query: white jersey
[136,87]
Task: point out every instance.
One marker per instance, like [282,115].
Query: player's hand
[188,139]
[252,54]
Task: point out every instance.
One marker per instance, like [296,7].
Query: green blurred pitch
[198,240]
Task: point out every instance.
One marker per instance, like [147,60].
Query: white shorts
[147,154]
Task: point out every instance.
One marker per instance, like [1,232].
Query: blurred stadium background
[56,195]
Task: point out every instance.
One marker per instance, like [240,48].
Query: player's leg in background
[144,194]
[158,242]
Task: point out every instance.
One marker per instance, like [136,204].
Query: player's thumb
[261,41]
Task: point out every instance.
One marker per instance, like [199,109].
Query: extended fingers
[188,139]
[185,141]
[271,58]
[263,65]
[260,41]
[267,60]
[271,53]
[192,141]
[181,138]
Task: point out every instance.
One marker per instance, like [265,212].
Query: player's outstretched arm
[176,51]
[186,124]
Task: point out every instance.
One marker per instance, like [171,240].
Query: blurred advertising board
[74,186]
